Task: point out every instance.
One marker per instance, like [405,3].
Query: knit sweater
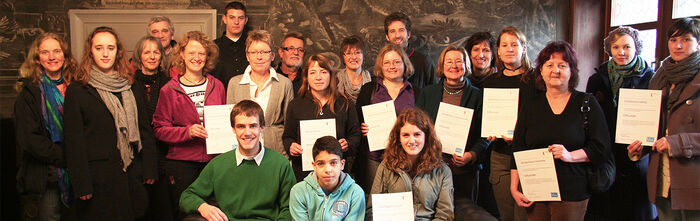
[246,191]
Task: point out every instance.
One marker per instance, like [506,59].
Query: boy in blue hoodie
[327,193]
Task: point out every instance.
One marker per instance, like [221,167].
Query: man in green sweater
[249,182]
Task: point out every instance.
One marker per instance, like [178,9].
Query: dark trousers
[557,211]
[180,174]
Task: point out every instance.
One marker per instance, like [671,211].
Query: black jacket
[599,86]
[424,69]
[232,59]
[94,162]
[304,108]
[39,153]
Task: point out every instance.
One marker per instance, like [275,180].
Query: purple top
[405,99]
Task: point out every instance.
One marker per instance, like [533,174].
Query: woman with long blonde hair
[42,180]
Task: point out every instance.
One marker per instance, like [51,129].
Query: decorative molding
[131,25]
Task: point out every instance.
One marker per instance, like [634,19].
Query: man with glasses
[262,84]
[292,55]
[232,59]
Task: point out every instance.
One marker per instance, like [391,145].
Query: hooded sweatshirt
[309,202]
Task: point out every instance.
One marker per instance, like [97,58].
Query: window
[652,18]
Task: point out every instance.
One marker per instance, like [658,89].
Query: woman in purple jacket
[179,116]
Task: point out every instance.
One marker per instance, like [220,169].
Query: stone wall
[436,24]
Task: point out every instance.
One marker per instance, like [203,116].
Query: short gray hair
[157,19]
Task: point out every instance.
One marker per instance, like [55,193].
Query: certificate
[380,118]
[392,206]
[311,130]
[217,121]
[638,114]
[452,127]
[500,112]
[537,175]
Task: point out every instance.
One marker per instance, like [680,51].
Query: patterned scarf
[618,73]
[125,114]
[52,112]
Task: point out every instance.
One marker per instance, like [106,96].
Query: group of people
[120,138]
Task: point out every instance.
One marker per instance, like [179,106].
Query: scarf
[676,72]
[52,112]
[125,115]
[618,73]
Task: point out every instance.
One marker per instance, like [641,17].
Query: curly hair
[397,16]
[619,32]
[120,64]
[324,63]
[208,44]
[31,67]
[396,159]
[408,67]
[441,61]
[569,55]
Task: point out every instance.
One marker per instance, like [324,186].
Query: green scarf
[618,73]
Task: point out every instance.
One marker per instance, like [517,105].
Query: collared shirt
[257,158]
[263,95]
[405,99]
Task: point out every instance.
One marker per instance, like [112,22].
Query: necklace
[518,68]
[451,93]
[193,82]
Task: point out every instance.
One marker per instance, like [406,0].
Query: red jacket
[176,112]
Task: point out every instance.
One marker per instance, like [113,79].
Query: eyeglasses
[299,50]
[394,63]
[258,53]
[458,62]
[356,53]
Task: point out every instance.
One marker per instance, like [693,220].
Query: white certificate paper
[500,112]
[638,114]
[392,206]
[311,130]
[380,118]
[217,121]
[537,174]
[452,127]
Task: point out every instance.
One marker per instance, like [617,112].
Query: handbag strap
[585,109]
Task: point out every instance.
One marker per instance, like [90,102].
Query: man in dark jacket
[397,26]
[232,60]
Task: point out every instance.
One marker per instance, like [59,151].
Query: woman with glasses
[262,84]
[352,77]
[454,67]
[319,98]
[179,117]
[393,68]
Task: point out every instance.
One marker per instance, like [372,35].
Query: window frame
[662,24]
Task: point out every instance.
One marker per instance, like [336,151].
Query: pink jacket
[176,112]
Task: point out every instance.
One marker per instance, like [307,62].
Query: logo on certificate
[511,132]
[554,194]
[650,139]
